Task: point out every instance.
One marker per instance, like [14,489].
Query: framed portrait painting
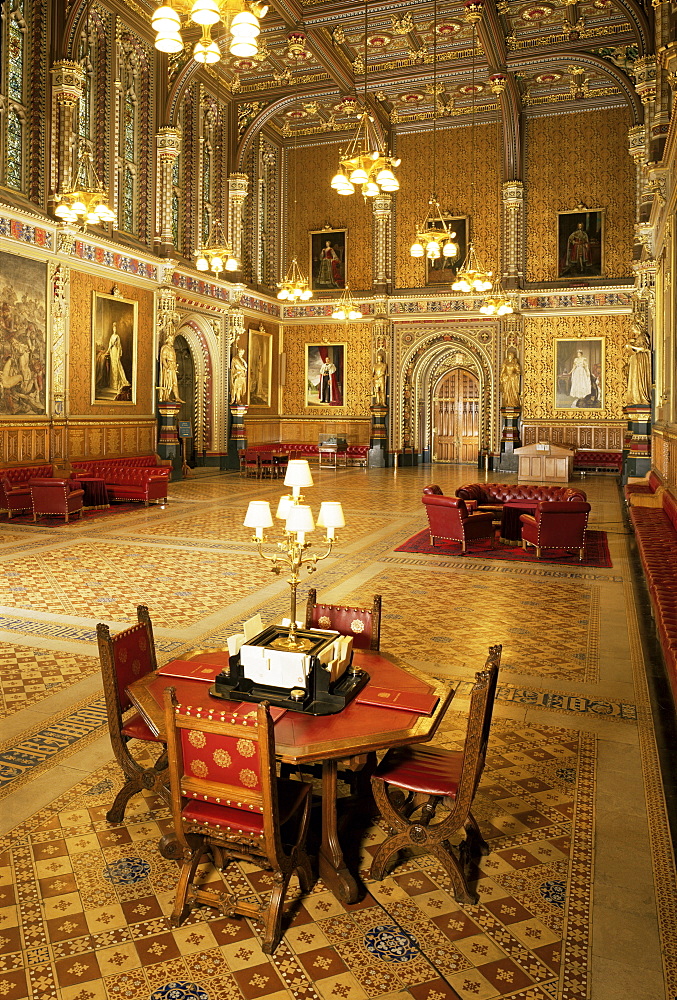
[579,374]
[325,374]
[443,270]
[23,340]
[580,243]
[114,343]
[328,260]
[260,367]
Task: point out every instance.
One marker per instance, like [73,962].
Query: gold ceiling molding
[530,102]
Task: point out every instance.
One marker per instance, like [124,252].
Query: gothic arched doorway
[456,418]
[185,377]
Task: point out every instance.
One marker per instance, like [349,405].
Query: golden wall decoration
[592,167]
[415,175]
[540,334]
[80,347]
[317,206]
[357,337]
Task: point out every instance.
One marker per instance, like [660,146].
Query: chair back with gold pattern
[363,624]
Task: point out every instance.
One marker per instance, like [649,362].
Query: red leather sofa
[91,467]
[644,487]
[656,534]
[588,459]
[494,495]
[127,484]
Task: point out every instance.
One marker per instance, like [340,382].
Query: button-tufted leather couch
[356,453]
[494,495]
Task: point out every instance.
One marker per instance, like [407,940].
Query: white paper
[252,627]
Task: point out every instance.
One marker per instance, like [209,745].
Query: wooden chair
[363,624]
[126,657]
[436,775]
[227,803]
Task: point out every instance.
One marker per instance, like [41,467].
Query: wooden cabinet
[544,463]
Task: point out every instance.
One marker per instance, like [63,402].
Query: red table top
[300,737]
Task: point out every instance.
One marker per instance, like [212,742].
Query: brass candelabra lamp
[298,523]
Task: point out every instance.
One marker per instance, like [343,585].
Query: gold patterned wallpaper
[318,205]
[357,338]
[80,348]
[592,167]
[453,191]
[538,382]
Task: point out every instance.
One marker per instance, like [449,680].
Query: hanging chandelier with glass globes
[471,275]
[240,18]
[217,253]
[346,308]
[435,237]
[85,203]
[364,163]
[294,285]
[497,303]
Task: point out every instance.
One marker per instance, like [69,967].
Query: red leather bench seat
[496,494]
[648,486]
[656,534]
[588,458]
[127,482]
[22,473]
[356,453]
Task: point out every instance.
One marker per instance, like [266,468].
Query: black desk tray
[319,698]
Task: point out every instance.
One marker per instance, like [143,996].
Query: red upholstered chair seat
[54,497]
[363,624]
[430,770]
[136,729]
[14,499]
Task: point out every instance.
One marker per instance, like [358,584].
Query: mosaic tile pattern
[83,905]
[27,675]
[471,615]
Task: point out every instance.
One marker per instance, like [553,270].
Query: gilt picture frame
[580,243]
[328,265]
[325,374]
[579,374]
[114,348]
[260,360]
[443,270]
[23,317]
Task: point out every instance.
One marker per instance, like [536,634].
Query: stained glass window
[85,105]
[15,61]
[128,201]
[14,150]
[130,126]
[175,219]
[13,44]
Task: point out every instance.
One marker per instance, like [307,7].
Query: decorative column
[237,192]
[381,353]
[168,146]
[237,440]
[382,208]
[67,82]
[513,233]
[637,446]
[59,286]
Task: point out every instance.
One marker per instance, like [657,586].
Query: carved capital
[513,195]
[67,82]
[168,142]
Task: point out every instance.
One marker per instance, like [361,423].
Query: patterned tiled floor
[83,905]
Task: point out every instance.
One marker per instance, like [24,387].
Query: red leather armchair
[14,499]
[54,496]
[556,525]
[448,517]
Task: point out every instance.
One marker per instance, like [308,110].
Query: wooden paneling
[602,437]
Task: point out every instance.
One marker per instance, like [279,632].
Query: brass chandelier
[294,285]
[240,18]
[472,276]
[346,308]
[217,253]
[85,203]
[497,303]
[363,162]
[434,237]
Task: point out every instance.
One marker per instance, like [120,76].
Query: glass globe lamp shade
[165,17]
[354,314]
[417,250]
[168,41]
[201,263]
[306,294]
[62,211]
[450,249]
[283,294]
[338,314]
[231,264]
[205,12]
[243,47]
[206,51]
[244,25]
[358,176]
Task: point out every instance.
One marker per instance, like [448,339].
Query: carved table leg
[332,865]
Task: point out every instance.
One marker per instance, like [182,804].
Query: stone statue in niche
[168,390]
[238,379]
[638,351]
[510,379]
[379,377]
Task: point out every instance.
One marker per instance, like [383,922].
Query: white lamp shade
[283,507]
[244,25]
[417,250]
[243,47]
[300,518]
[331,515]
[258,515]
[358,176]
[205,12]
[298,473]
[165,16]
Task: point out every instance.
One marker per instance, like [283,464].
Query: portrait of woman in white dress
[114,332]
[579,368]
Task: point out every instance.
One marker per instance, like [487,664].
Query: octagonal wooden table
[306,739]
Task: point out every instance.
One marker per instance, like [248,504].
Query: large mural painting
[23,335]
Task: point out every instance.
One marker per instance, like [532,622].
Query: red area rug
[92,514]
[596,551]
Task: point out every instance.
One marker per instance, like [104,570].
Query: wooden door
[456,418]
[185,377]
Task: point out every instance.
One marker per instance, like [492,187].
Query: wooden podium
[544,463]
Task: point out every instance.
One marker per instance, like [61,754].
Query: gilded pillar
[382,208]
[237,192]
[638,147]
[67,82]
[380,387]
[168,146]
[237,438]
[513,233]
[59,286]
